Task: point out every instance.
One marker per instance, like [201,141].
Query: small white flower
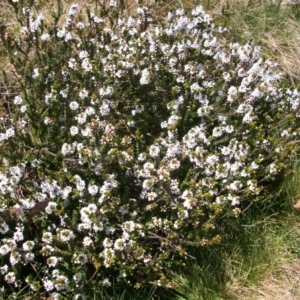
[18,100]
[52,261]
[67,149]
[3,228]
[81,259]
[83,54]
[4,249]
[61,282]
[66,235]
[107,242]
[72,64]
[93,189]
[61,33]
[18,236]
[14,258]
[47,237]
[10,277]
[145,79]
[4,269]
[151,196]
[87,241]
[154,151]
[113,3]
[45,37]
[51,207]
[48,285]
[74,105]
[73,9]
[83,94]
[106,282]
[147,184]
[74,130]
[10,132]
[119,244]
[80,25]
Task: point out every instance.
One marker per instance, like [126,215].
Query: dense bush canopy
[125,140]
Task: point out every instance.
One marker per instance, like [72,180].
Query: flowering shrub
[126,141]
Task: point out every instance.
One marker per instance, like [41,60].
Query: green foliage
[128,142]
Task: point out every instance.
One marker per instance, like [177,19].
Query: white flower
[9,243]
[23,108]
[18,100]
[73,9]
[35,73]
[47,237]
[48,285]
[173,119]
[151,196]
[74,105]
[81,259]
[80,25]
[10,277]
[29,256]
[130,22]
[3,228]
[4,249]
[51,207]
[106,282]
[14,258]
[72,64]
[18,236]
[66,235]
[145,79]
[93,189]
[174,164]
[4,269]
[68,37]
[61,282]
[164,124]
[154,151]
[83,94]
[34,24]
[74,130]
[128,226]
[147,184]
[107,242]
[98,20]
[113,3]
[9,133]
[52,261]
[119,244]
[81,118]
[91,208]
[87,241]
[86,65]
[61,33]
[67,149]
[45,37]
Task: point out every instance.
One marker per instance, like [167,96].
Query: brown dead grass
[278,276]
[281,286]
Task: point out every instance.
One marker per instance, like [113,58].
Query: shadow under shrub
[127,142]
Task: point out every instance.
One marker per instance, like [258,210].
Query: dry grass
[281,284]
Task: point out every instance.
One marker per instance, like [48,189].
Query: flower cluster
[127,141]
